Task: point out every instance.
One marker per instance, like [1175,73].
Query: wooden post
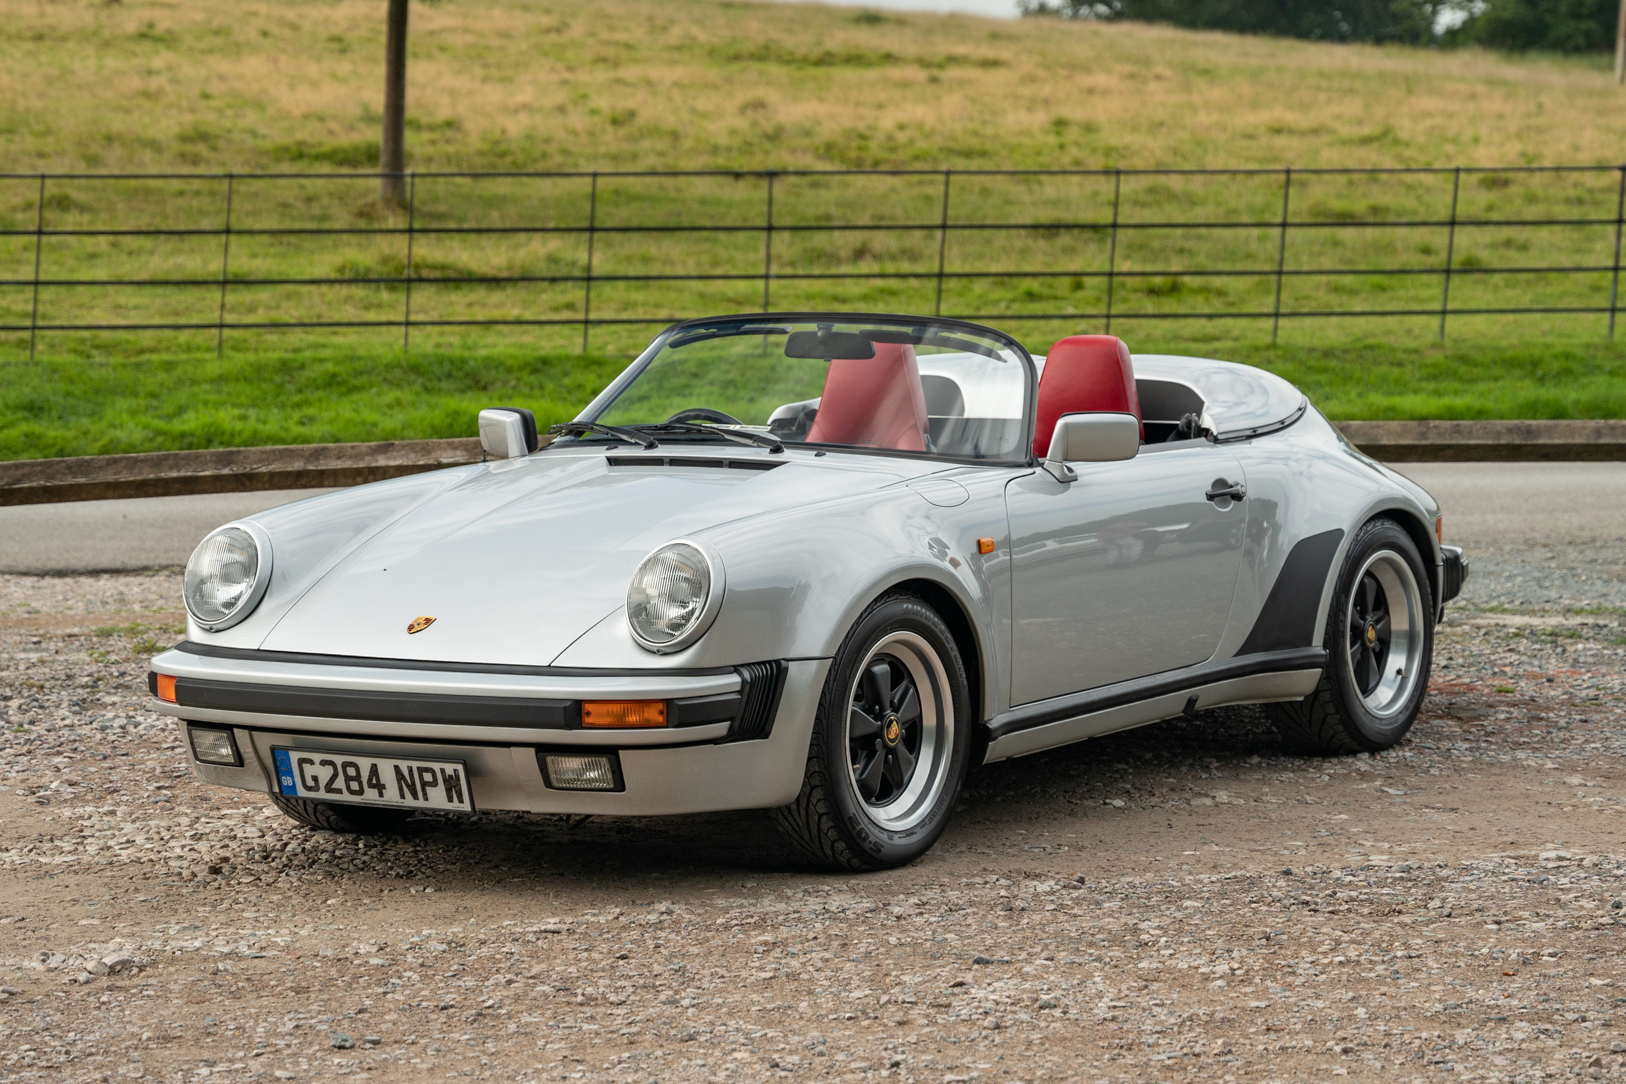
[392,147]
[1620,45]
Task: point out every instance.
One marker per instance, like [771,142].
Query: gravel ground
[1187,901]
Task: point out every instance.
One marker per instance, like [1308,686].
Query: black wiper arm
[738,436]
[577,429]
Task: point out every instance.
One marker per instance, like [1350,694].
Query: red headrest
[1084,373]
[876,402]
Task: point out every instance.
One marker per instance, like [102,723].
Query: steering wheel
[704,414]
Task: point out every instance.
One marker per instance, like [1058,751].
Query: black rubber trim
[761,685]
[249,654]
[689,461]
[516,711]
[700,710]
[1231,436]
[1453,572]
[1288,617]
[1058,709]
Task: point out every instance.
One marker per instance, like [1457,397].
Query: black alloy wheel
[1369,634]
[1379,638]
[883,731]
[890,742]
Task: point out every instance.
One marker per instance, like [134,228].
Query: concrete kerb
[318,466]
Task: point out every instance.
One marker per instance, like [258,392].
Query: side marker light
[166,688]
[985,545]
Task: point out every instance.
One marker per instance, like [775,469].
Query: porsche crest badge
[419,624]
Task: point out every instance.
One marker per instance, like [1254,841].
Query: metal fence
[1078,247]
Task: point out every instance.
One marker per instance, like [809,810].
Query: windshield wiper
[739,436]
[578,429]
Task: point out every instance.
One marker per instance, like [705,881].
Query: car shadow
[998,799]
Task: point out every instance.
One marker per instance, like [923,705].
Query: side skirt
[1256,679]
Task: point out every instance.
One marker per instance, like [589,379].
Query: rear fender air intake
[761,684]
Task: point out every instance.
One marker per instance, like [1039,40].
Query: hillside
[103,86]
[538,84]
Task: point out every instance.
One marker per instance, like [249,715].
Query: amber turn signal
[1439,529]
[166,688]
[985,545]
[623,713]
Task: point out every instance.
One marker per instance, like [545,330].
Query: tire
[1380,645]
[351,819]
[863,806]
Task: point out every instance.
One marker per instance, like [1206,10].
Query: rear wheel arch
[1422,536]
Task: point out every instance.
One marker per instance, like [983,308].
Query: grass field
[144,85]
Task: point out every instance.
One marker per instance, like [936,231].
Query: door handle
[1234,490]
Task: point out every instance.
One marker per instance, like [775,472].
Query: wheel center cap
[1371,635]
[892,730]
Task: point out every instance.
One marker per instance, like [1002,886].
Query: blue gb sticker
[285,773]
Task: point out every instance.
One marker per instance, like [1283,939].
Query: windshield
[938,388]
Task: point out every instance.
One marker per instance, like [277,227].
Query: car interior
[886,401]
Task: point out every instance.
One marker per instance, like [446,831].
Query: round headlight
[226,576]
[674,596]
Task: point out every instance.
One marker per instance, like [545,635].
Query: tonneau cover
[1240,400]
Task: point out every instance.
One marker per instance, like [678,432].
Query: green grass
[149,85]
[358,393]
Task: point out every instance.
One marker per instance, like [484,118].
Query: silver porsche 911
[821,564]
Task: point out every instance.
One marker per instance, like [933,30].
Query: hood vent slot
[687,461]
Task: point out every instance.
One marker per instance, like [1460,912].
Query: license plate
[327,776]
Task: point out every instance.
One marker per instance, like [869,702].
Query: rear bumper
[752,757]
[1453,572]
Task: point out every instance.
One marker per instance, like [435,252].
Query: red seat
[874,402]
[1084,373]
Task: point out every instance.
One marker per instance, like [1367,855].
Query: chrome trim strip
[653,685]
[488,735]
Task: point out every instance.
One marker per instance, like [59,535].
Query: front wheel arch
[948,607]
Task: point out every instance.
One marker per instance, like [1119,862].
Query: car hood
[516,559]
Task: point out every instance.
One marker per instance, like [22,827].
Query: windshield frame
[602,401]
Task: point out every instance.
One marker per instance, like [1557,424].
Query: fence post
[767,245]
[1112,244]
[1614,279]
[39,237]
[1450,249]
[1281,254]
[225,262]
[592,225]
[412,221]
[942,246]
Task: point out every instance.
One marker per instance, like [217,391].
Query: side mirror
[508,432]
[1096,437]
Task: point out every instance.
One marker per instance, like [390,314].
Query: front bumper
[1453,572]
[738,738]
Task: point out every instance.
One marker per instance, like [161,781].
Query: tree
[392,147]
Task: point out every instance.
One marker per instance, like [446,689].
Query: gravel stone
[1188,900]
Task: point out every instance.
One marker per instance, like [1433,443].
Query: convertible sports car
[817,563]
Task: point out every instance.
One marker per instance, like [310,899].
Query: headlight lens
[669,599]
[224,577]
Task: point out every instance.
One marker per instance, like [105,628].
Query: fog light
[623,713]
[214,746]
[593,771]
